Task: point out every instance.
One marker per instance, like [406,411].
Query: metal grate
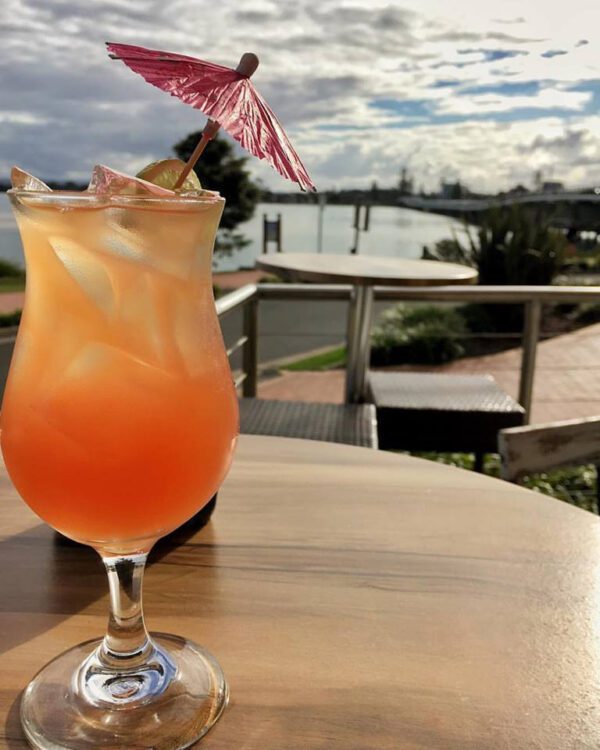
[352,424]
[456,393]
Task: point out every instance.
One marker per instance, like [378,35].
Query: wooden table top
[364,269]
[357,600]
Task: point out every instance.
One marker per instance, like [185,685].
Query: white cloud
[546,99]
[323,62]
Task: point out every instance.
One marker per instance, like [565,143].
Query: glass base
[170,702]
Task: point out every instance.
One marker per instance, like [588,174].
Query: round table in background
[356,599]
[363,272]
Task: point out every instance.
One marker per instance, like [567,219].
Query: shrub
[8,320]
[573,484]
[422,335]
[510,247]
[10,269]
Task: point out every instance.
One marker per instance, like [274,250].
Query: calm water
[396,232]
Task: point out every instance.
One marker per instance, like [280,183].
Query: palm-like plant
[510,247]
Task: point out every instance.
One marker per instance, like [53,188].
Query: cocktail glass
[118,423]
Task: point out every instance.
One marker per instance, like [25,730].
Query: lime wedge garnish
[165,173]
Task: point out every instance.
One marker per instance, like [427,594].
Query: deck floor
[567,380]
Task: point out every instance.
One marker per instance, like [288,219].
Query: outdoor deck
[566,386]
[567,376]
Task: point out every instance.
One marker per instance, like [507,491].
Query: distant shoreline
[6,186]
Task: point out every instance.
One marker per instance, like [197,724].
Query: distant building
[453,190]
[552,187]
[405,184]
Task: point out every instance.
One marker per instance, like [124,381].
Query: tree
[219,169]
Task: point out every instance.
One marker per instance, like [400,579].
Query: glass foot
[169,703]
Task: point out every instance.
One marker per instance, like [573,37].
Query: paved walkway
[567,381]
[11,301]
[235,279]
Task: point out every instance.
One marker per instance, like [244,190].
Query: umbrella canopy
[226,96]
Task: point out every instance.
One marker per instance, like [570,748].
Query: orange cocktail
[119,417]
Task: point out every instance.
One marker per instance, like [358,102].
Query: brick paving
[11,301]
[234,279]
[567,379]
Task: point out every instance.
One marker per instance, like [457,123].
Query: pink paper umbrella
[227,97]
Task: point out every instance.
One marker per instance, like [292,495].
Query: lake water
[397,232]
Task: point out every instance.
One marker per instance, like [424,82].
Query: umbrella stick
[247,65]
[209,132]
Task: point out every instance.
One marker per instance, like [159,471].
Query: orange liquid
[119,417]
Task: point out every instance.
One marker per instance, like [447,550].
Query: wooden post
[366,216]
[278,233]
[271,233]
[356,225]
[322,200]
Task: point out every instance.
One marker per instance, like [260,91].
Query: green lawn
[328,360]
[12,284]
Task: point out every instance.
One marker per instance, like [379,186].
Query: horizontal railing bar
[240,379]
[491,335]
[238,298]
[304,291]
[236,345]
[493,294]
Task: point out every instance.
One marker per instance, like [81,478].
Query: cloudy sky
[488,92]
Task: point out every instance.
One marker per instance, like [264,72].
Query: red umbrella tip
[248,64]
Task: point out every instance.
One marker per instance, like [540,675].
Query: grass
[12,277]
[576,485]
[327,360]
[11,284]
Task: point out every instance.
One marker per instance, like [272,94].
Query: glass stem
[126,643]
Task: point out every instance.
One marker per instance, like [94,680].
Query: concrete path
[567,381]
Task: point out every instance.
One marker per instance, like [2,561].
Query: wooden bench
[353,424]
[537,448]
[422,411]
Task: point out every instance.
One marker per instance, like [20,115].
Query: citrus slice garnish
[165,173]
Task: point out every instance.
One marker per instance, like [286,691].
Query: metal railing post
[250,350]
[358,346]
[531,334]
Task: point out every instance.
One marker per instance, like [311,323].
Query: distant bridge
[579,212]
